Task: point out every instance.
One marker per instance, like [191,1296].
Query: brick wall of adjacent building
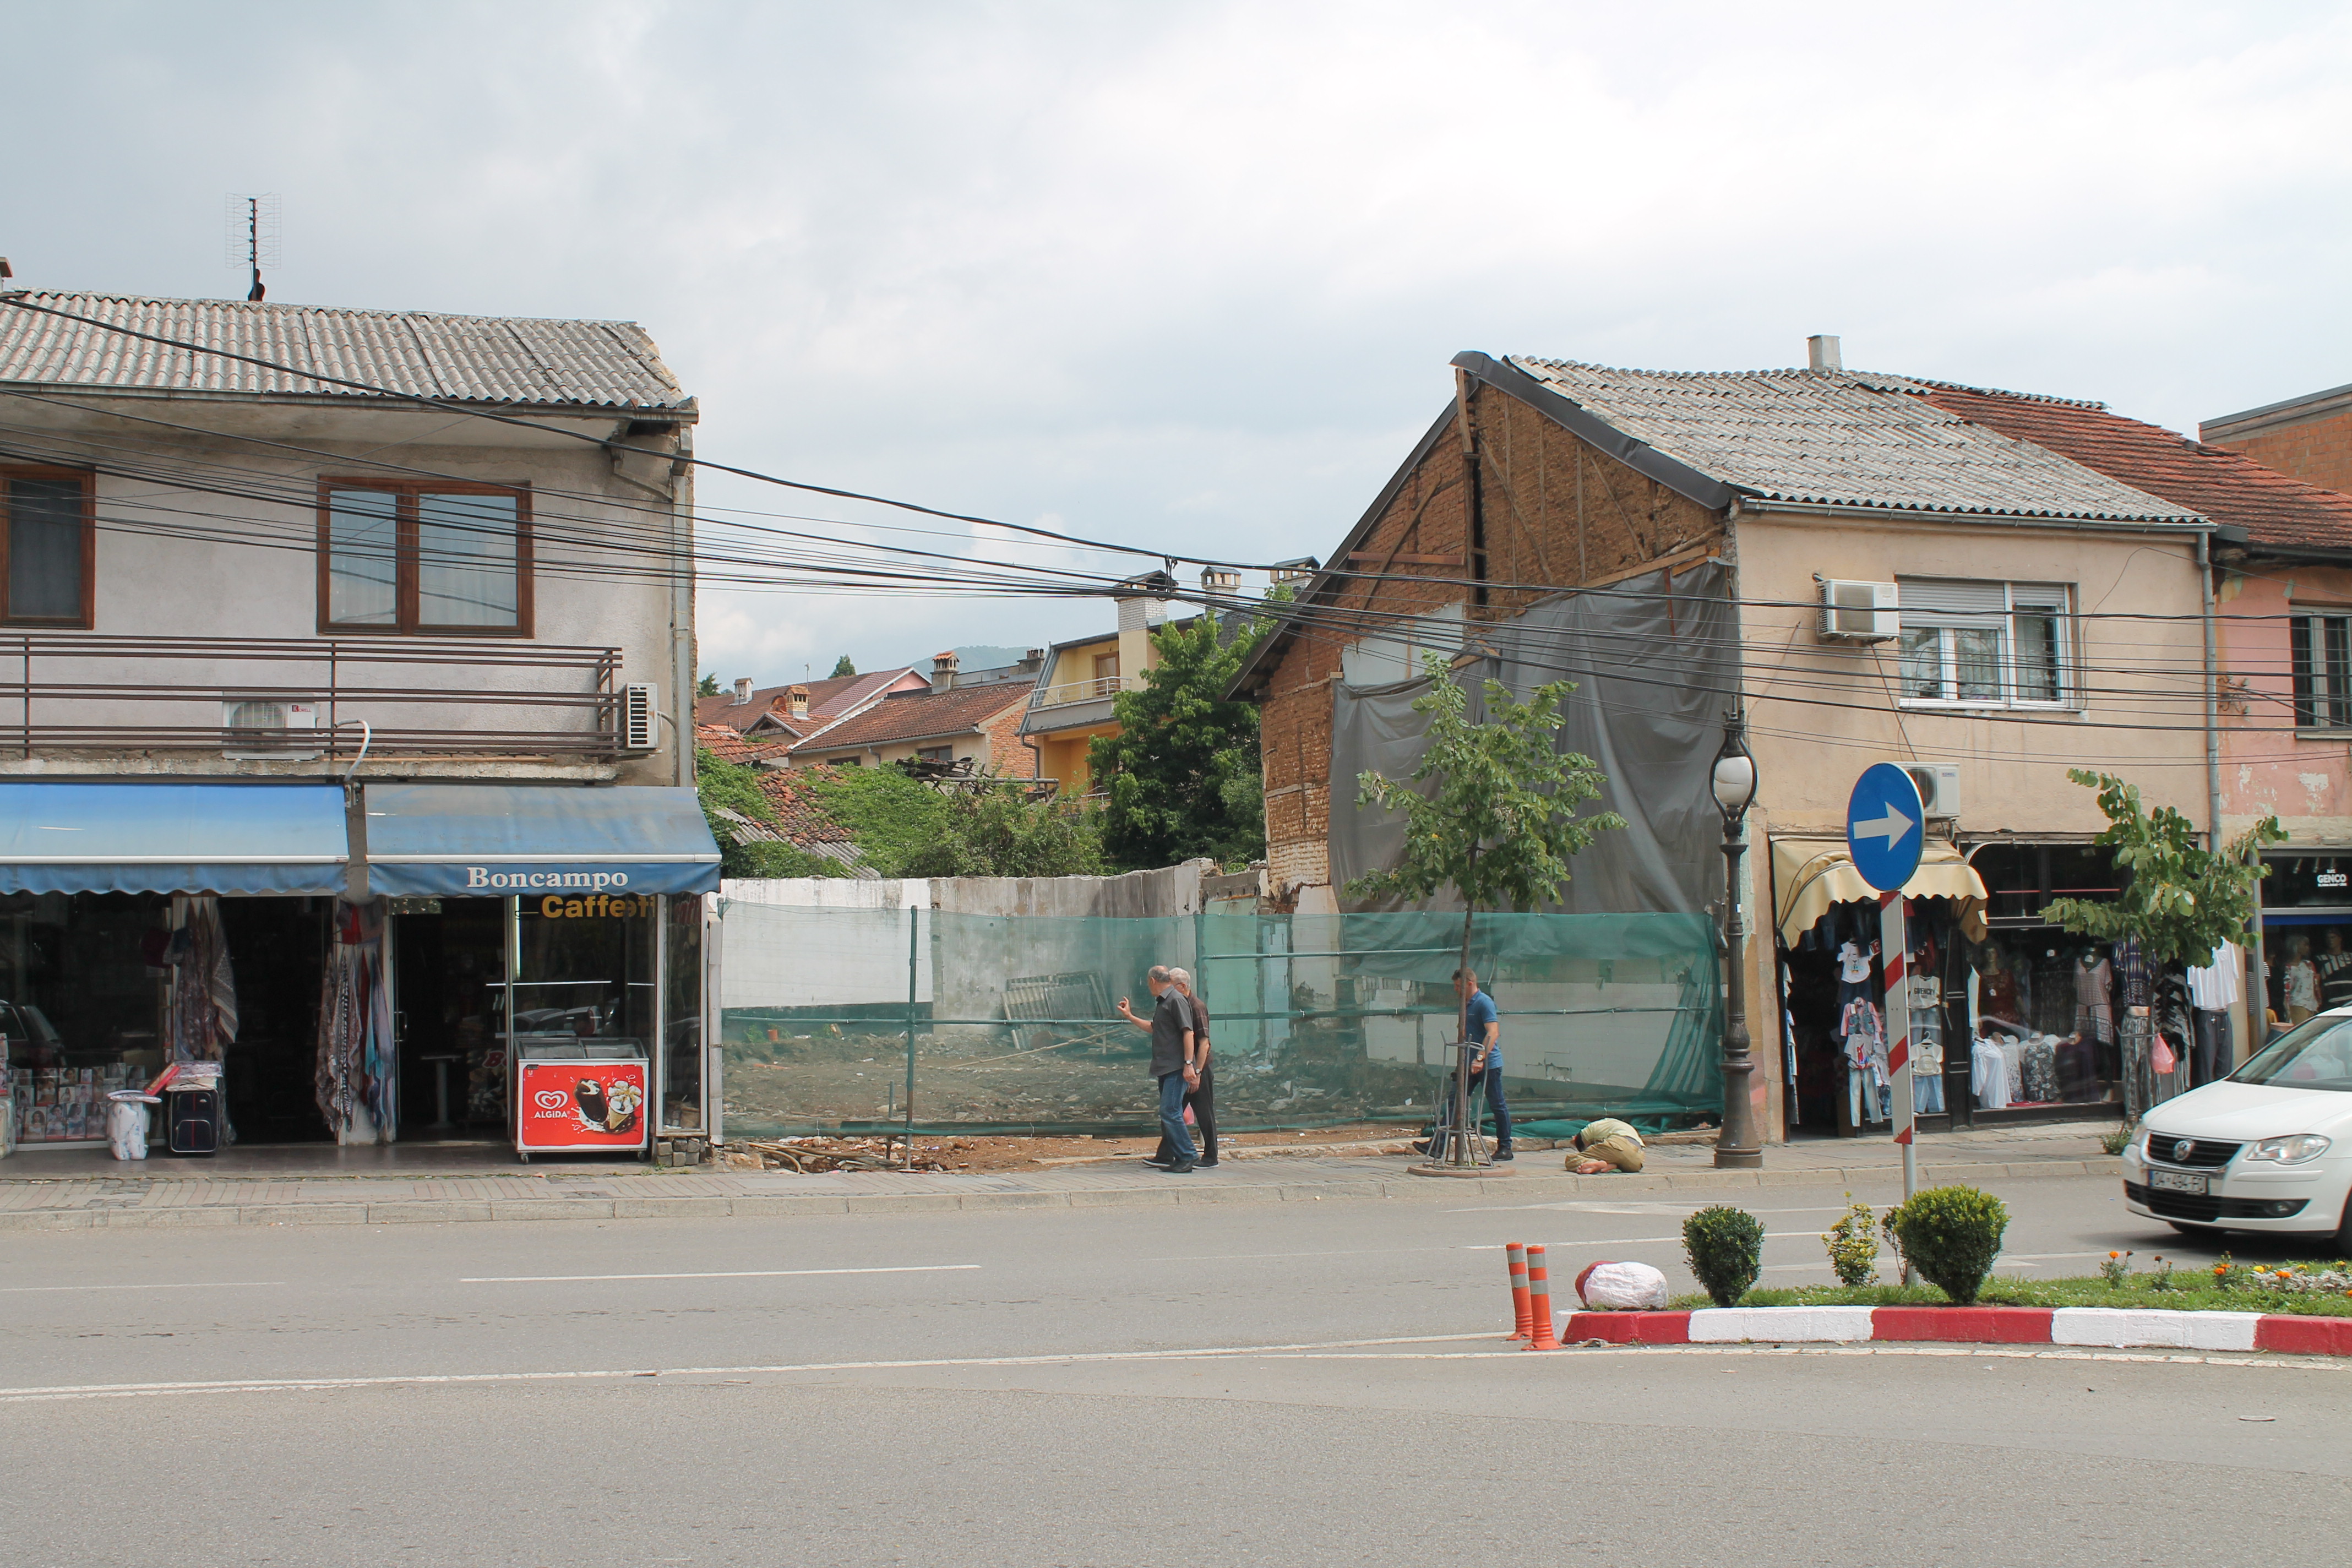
[1556,513]
[1007,757]
[2316,451]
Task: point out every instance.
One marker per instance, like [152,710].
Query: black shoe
[1162,1161]
[1181,1168]
[1503,1156]
[1420,1145]
[1204,1164]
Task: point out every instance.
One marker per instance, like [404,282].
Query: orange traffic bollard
[1540,1301]
[1522,1315]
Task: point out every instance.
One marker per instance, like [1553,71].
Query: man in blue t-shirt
[1485,1036]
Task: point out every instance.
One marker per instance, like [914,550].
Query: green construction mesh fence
[842,1019]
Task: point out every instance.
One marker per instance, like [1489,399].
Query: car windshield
[2314,1054]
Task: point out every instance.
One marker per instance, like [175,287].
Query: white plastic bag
[126,1122]
[1623,1288]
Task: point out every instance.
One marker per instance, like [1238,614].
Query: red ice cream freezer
[579,1096]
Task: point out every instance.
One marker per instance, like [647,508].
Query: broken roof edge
[1636,454]
[2179,520]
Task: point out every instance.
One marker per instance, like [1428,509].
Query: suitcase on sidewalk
[192,1120]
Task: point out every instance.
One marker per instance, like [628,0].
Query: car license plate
[2176,1181]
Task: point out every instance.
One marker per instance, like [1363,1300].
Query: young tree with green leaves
[1181,776]
[1489,813]
[2180,901]
[842,666]
[708,686]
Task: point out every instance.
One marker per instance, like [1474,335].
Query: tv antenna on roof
[251,236]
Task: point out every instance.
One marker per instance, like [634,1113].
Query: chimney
[943,670]
[742,691]
[1219,582]
[796,702]
[1821,353]
[1034,660]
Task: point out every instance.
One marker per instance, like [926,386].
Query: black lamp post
[1735,789]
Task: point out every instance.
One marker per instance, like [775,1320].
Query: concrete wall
[261,581]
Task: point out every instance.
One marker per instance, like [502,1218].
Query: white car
[2268,1149]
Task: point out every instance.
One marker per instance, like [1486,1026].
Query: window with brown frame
[424,557]
[49,547]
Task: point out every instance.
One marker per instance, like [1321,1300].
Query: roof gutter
[1848,511]
[2317,555]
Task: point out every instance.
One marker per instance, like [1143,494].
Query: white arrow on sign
[1891,827]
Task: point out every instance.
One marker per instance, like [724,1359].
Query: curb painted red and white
[2102,1326]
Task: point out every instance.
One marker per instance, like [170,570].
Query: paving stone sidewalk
[176,1193]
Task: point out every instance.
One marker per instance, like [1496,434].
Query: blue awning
[502,840]
[154,837]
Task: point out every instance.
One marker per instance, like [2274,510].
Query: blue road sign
[1883,826]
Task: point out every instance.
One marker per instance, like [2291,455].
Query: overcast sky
[1188,276]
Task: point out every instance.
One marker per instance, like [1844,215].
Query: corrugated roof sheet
[1843,438]
[467,359]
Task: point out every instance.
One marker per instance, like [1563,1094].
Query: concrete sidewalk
[182,1192]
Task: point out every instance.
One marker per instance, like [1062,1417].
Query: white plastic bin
[126,1122]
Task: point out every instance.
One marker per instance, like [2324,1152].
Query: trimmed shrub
[1726,1250]
[1951,1236]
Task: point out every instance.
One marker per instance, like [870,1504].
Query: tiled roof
[1843,438]
[920,715]
[467,359]
[801,813]
[828,698]
[723,743]
[2231,490]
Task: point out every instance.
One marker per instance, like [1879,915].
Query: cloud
[1187,276]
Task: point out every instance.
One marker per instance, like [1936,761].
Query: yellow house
[1071,703]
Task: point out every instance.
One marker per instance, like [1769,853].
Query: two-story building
[347,731]
[1861,572]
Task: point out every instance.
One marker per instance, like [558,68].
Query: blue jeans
[1171,1117]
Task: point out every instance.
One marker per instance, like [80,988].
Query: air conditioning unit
[1859,612]
[641,718]
[268,729]
[1939,787]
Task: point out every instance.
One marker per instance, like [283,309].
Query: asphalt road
[1086,1387]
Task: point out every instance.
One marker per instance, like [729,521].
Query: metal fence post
[914,957]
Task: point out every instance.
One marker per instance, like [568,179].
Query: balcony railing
[68,691]
[1062,696]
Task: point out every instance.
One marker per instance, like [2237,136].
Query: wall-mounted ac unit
[1939,786]
[268,728]
[1859,612]
[641,716]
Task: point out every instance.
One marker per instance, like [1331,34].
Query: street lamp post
[1735,789]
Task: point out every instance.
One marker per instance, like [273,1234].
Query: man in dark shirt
[1170,1028]
[1200,1099]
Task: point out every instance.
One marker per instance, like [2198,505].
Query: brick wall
[1006,755]
[1557,513]
[2317,451]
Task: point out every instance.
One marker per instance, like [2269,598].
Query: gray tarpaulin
[1654,659]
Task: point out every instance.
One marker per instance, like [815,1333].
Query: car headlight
[2292,1151]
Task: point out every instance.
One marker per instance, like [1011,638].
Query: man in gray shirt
[1172,1063]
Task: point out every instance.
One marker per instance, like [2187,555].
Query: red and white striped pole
[1895,957]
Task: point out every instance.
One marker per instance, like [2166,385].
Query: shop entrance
[449,1017]
[269,1076]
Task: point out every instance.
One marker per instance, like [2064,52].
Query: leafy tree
[708,686]
[842,666]
[2181,902]
[1495,819]
[719,783]
[908,828]
[1181,776]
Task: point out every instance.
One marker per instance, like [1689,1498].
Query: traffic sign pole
[1895,948]
[1885,823]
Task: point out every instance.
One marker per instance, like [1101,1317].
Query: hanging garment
[356,1087]
[2214,987]
[2012,1056]
[2132,975]
[1863,1029]
[201,1015]
[1853,964]
[2095,988]
[2335,977]
[1988,1076]
[2001,999]
[2041,1064]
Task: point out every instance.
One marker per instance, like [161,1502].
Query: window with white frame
[2321,649]
[1977,644]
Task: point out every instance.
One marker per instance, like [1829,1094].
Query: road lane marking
[301,1384]
[718,1274]
[172,1285]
